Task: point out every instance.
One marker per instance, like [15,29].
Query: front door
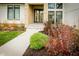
[38,15]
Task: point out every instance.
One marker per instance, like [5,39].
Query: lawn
[6,36]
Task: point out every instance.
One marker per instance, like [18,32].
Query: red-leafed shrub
[63,40]
[47,27]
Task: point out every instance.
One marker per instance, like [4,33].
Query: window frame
[55,10]
[13,11]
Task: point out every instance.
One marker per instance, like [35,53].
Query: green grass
[7,36]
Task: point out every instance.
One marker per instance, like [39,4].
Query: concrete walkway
[17,46]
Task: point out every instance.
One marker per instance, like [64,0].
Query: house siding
[3,13]
[71,14]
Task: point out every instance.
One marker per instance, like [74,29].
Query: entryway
[38,15]
[35,13]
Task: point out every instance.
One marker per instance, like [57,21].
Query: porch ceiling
[36,3]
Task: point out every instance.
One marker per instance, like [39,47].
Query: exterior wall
[3,14]
[71,14]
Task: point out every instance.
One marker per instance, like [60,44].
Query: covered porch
[36,13]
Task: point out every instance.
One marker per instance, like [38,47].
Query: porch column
[26,14]
[45,12]
[29,14]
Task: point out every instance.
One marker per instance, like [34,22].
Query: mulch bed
[31,52]
[43,52]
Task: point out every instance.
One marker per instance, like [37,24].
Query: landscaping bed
[12,27]
[31,52]
[59,39]
[8,31]
[43,52]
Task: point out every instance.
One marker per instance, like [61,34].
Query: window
[55,5]
[51,5]
[17,11]
[13,12]
[59,5]
[51,16]
[58,17]
[55,14]
[10,12]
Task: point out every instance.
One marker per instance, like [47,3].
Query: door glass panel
[38,16]
[59,5]
[58,17]
[51,16]
[35,16]
[41,16]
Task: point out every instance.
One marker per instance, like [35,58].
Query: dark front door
[38,15]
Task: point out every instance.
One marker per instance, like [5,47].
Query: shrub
[63,40]
[38,40]
[12,27]
[47,26]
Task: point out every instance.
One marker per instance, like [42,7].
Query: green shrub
[38,40]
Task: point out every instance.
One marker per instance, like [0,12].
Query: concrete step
[35,26]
